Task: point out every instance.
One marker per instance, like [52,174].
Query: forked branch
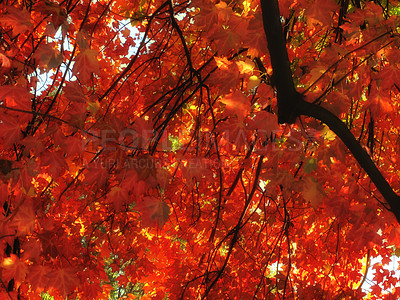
[292,105]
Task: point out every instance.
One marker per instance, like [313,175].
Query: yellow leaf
[312,192]
[254,81]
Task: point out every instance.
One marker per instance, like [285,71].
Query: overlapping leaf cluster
[150,163]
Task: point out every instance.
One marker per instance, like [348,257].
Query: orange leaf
[312,192]
[4,61]
[264,122]
[16,97]
[19,20]
[14,268]
[237,103]
[85,65]
[321,11]
[379,100]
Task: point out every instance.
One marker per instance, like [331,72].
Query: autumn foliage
[141,155]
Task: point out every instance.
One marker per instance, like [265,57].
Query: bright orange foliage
[141,155]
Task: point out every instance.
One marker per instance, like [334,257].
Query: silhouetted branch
[291,104]
[288,97]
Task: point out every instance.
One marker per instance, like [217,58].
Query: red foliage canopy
[141,155]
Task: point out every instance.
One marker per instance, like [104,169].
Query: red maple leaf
[10,130]
[118,197]
[14,268]
[19,20]
[154,212]
[24,219]
[152,117]
[236,104]
[38,277]
[322,11]
[54,161]
[86,64]
[48,57]
[63,280]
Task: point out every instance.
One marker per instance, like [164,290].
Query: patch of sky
[391,266]
[45,77]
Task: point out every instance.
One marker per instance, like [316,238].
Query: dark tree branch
[365,161]
[288,97]
[291,104]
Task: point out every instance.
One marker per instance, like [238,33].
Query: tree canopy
[199,149]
